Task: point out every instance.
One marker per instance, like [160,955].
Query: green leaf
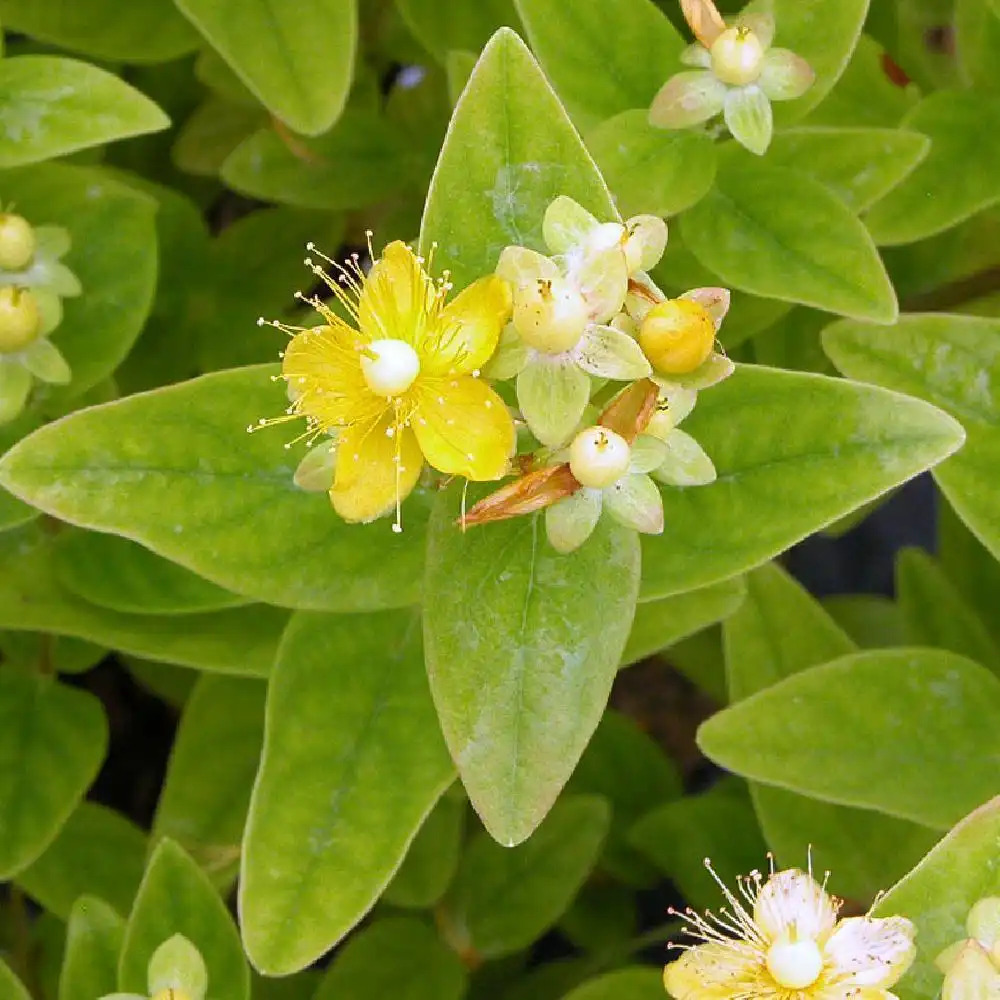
[637,983]
[443,26]
[93,941]
[969,565]
[510,151]
[951,361]
[938,894]
[977,44]
[938,708]
[240,641]
[206,794]
[652,170]
[627,767]
[779,233]
[212,132]
[594,79]
[118,274]
[398,957]
[964,129]
[139,32]
[824,35]
[432,858]
[175,470]
[658,624]
[936,614]
[811,447]
[52,742]
[11,987]
[97,853]
[281,55]
[65,654]
[872,621]
[718,824]
[779,631]
[358,162]
[859,165]
[503,899]
[114,573]
[14,512]
[54,106]
[521,671]
[176,898]
[347,705]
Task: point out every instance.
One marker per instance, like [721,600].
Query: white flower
[780,939]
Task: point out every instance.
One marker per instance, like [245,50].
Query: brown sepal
[630,412]
[704,19]
[531,492]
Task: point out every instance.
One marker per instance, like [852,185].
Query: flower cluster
[737,74]
[971,966]
[33,283]
[780,938]
[397,378]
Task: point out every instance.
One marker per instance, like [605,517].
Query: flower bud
[20,320]
[550,315]
[677,336]
[737,56]
[599,457]
[17,242]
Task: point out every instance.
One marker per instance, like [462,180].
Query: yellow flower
[400,384]
[780,939]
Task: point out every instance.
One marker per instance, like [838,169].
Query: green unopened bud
[20,319]
[17,242]
[599,457]
[737,56]
[550,315]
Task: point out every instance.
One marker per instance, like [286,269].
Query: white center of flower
[599,457]
[737,56]
[795,964]
[389,366]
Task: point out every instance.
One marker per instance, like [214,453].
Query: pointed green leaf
[14,512]
[54,106]
[112,572]
[970,566]
[521,672]
[97,853]
[347,706]
[964,129]
[938,894]
[52,741]
[872,621]
[595,79]
[281,54]
[213,763]
[951,361]
[503,899]
[239,641]
[652,170]
[779,233]
[936,614]
[176,898]
[398,957]
[658,624]
[118,275]
[859,165]
[137,32]
[811,447]
[444,26]
[779,631]
[510,151]
[175,470]
[94,938]
[938,708]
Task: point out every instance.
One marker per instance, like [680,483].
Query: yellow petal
[463,427]
[323,369]
[466,333]
[714,971]
[397,297]
[366,484]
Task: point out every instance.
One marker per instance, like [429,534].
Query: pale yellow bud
[17,242]
[550,315]
[20,320]
[737,56]
[599,457]
[677,336]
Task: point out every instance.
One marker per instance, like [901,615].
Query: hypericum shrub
[445,686]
